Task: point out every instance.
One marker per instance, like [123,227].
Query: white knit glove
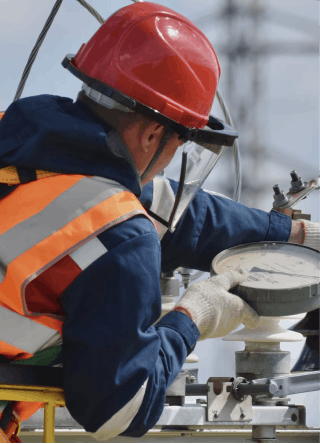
[216,312]
[312,236]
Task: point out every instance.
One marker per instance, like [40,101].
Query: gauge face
[271,265]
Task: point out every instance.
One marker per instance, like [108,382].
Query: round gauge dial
[278,272]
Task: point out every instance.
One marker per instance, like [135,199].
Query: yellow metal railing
[51,396]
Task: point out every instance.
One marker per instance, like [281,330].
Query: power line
[35,49]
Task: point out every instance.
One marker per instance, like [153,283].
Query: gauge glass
[272,265]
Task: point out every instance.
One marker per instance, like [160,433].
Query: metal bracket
[293,199]
[222,406]
[279,386]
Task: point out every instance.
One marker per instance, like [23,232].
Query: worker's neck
[127,132]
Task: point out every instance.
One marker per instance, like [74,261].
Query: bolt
[279,196]
[276,190]
[242,415]
[273,387]
[191,379]
[297,184]
[294,176]
[216,415]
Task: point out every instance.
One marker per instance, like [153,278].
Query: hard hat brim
[215,135]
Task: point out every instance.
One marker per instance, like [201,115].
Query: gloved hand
[311,234]
[216,312]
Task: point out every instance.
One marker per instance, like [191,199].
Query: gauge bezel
[273,302]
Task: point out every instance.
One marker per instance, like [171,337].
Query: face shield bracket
[180,190]
[216,133]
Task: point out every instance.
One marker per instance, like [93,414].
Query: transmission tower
[244,74]
[244,52]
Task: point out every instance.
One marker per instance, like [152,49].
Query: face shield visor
[197,163]
[201,152]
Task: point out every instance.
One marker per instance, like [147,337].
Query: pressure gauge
[283,278]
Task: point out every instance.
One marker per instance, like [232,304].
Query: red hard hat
[157,57]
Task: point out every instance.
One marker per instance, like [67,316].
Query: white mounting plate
[223,407]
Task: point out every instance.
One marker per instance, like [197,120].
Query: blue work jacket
[110,345]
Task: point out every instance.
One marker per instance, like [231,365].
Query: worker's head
[158,58]
[162,73]
[141,135]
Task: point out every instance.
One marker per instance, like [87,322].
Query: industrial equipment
[283,280]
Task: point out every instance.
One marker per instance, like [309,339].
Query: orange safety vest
[48,231]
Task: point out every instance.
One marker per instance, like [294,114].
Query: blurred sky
[289,119]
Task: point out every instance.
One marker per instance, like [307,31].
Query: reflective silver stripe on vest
[88,253]
[163,199]
[71,204]
[22,332]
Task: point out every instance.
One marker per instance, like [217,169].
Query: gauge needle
[254,269]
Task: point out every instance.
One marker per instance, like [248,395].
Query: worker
[87,222]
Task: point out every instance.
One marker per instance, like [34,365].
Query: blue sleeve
[212,224]
[110,346]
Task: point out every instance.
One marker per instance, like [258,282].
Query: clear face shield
[201,153]
[197,164]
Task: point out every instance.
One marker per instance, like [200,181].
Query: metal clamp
[279,386]
[292,197]
[222,405]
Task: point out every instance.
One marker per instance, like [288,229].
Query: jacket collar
[54,134]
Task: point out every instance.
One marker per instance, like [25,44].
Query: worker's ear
[151,136]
